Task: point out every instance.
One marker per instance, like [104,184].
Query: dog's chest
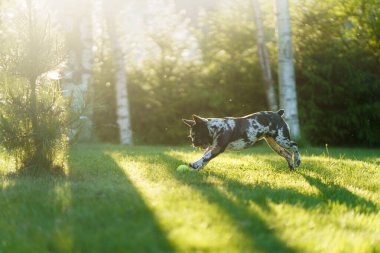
[238,144]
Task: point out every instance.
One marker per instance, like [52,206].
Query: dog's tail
[280,112]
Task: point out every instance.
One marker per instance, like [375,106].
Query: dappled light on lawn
[75,75]
[274,198]
[116,198]
[190,220]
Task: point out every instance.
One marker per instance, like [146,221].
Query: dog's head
[199,133]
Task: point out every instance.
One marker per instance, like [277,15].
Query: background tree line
[172,63]
[336,46]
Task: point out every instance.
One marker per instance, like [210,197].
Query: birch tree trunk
[78,77]
[286,76]
[264,58]
[123,112]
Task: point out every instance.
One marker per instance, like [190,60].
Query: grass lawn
[120,199]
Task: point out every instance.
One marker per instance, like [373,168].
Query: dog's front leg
[208,149]
[209,154]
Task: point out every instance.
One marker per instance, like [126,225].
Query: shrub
[35,150]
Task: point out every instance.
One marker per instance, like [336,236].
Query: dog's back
[250,128]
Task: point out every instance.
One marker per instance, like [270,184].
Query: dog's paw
[297,163]
[195,166]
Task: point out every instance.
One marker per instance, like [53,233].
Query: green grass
[119,199]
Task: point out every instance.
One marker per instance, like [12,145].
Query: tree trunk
[123,112]
[37,157]
[78,77]
[32,78]
[264,58]
[286,76]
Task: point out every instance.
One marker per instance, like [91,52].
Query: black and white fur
[217,134]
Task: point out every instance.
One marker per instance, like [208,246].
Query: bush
[35,150]
[33,121]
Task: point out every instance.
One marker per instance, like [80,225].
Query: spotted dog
[217,134]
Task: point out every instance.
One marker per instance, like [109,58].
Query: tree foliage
[35,150]
[338,70]
[32,114]
[231,70]
[165,81]
[336,45]
[209,66]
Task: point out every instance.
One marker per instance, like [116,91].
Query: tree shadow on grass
[262,236]
[107,213]
[329,191]
[29,210]
[95,208]
[262,193]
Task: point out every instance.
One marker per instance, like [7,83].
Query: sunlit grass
[132,199]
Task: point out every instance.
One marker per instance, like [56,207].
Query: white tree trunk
[264,58]
[78,76]
[286,76]
[123,112]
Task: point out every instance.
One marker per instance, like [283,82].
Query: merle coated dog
[217,134]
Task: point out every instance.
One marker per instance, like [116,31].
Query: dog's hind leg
[280,150]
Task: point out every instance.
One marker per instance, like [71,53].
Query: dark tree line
[336,45]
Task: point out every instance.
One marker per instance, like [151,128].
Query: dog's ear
[189,122]
[198,119]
